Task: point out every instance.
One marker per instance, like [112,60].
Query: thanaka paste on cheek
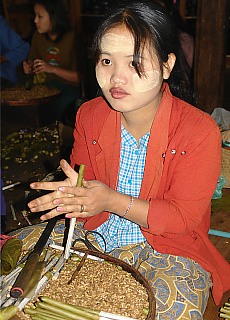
[147,82]
[101,79]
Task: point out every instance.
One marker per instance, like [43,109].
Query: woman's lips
[118,93]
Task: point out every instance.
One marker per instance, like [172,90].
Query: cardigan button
[183,153]
[173,151]
[94,142]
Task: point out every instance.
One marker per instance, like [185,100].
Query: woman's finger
[45,202]
[45,185]
[69,172]
[49,215]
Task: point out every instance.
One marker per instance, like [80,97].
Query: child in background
[56,54]
[152,162]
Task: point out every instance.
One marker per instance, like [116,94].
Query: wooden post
[75,11]
[210,53]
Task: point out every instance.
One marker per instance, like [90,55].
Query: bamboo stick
[79,266]
[66,313]
[73,220]
[81,254]
[224,315]
[8,302]
[82,310]
[41,312]
[13,274]
[224,310]
[51,264]
[8,312]
[6,290]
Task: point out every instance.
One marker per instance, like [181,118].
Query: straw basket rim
[225,158]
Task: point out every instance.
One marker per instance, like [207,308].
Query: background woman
[56,54]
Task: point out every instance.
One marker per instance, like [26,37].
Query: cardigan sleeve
[186,191]
[80,151]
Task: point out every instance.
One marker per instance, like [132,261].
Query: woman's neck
[137,123]
[52,36]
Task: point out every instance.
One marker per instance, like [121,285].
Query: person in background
[13,50]
[55,53]
[185,35]
[152,162]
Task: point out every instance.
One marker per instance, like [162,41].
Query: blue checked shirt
[118,231]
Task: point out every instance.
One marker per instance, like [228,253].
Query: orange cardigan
[181,172]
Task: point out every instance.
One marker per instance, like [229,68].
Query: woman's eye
[134,64]
[106,62]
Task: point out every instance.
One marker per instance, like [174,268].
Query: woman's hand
[88,201]
[46,202]
[42,66]
[27,66]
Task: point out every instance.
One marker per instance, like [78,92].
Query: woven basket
[134,272]
[225,162]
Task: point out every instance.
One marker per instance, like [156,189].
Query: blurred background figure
[13,50]
[55,56]
[185,35]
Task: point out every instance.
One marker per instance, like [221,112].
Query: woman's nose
[118,76]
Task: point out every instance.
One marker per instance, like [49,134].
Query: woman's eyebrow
[139,57]
[105,52]
[136,57]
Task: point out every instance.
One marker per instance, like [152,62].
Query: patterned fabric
[180,285]
[116,230]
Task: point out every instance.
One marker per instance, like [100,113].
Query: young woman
[152,163]
[55,55]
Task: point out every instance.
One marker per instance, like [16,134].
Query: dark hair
[58,16]
[150,24]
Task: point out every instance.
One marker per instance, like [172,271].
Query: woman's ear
[168,66]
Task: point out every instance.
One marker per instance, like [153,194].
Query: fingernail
[67,216]
[56,201]
[61,188]
[59,209]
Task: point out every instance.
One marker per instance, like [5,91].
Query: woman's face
[118,79]
[42,19]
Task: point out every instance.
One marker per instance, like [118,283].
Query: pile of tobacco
[26,150]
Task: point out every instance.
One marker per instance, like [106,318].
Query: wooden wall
[210,52]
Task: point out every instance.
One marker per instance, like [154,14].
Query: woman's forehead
[115,41]
[120,39]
